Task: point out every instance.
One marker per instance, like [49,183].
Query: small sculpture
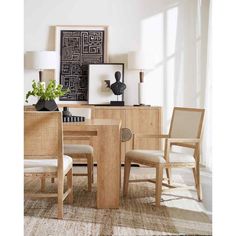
[118,87]
[66,112]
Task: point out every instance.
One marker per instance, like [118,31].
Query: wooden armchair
[43,155]
[185,131]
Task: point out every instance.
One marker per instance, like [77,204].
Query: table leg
[108,167]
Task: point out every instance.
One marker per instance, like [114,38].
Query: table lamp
[140,60]
[41,60]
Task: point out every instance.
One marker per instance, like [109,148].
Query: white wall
[127,31]
[175,30]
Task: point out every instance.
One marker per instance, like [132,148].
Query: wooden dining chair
[43,155]
[81,151]
[185,131]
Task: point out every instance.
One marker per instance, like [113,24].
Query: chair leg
[198,187]
[195,178]
[92,168]
[43,184]
[89,167]
[159,177]
[70,185]
[169,175]
[126,176]
[60,191]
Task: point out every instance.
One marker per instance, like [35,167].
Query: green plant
[50,92]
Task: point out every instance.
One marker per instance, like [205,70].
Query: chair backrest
[186,123]
[85,112]
[43,135]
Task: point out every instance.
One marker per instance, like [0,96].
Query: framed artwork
[101,77]
[78,47]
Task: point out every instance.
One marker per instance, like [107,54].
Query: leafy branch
[51,92]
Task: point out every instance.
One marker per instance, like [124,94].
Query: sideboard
[139,119]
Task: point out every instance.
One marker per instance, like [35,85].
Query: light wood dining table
[107,135]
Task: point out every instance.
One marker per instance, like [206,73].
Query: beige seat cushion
[78,149]
[46,165]
[157,156]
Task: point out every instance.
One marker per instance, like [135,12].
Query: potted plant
[46,95]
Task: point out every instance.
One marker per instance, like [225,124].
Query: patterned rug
[180,213]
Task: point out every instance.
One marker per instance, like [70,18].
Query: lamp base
[141,94]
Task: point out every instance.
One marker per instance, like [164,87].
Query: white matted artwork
[100,77]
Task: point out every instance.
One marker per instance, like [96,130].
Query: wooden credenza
[139,119]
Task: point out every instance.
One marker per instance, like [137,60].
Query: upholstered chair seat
[157,156]
[78,149]
[46,165]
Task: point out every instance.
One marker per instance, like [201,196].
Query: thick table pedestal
[107,134]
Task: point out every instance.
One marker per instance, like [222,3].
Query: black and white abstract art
[79,47]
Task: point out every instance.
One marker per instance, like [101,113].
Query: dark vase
[44,105]
[66,112]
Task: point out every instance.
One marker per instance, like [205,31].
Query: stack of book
[73,118]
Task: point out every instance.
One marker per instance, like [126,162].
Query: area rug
[180,213]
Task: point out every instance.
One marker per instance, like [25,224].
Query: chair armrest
[183,140]
[150,135]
